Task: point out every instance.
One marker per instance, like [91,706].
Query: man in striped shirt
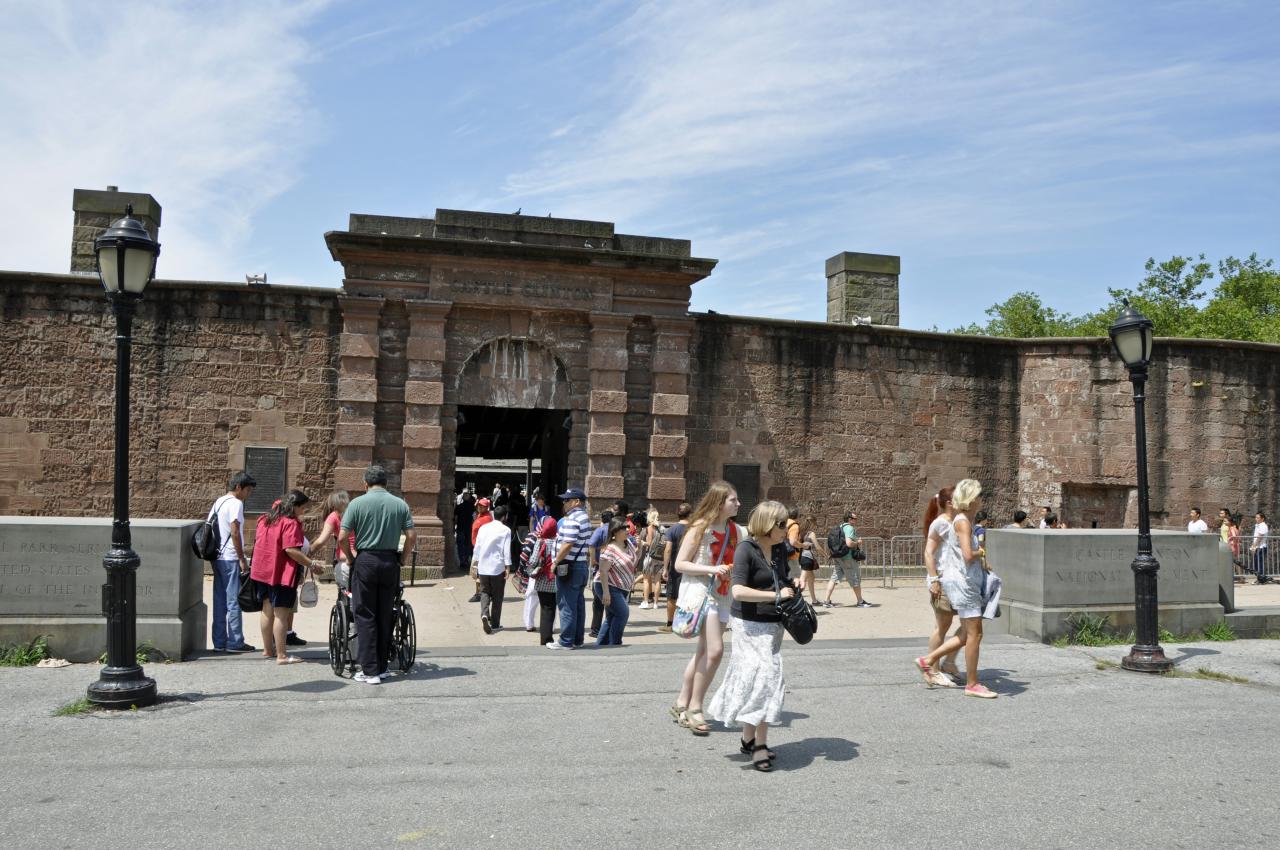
[573,534]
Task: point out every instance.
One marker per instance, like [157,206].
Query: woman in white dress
[961,574]
[706,556]
[937,531]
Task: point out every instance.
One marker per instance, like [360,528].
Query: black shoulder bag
[798,616]
[205,541]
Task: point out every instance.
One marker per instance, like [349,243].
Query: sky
[994,146]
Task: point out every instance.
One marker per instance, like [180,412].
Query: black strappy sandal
[747,746]
[764,765]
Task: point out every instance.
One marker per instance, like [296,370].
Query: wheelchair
[342,634]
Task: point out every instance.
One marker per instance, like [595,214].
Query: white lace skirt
[752,690]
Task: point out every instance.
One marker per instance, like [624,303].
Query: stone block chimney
[95,210]
[861,286]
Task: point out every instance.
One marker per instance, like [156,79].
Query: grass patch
[1104,664]
[146,653]
[1219,631]
[71,709]
[1208,675]
[25,655]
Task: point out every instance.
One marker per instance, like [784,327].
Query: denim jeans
[616,615]
[228,629]
[572,604]
[1260,563]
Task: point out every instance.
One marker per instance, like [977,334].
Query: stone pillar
[357,391]
[606,438]
[863,285]
[95,210]
[423,398]
[669,443]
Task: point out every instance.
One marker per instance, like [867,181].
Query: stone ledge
[850,261]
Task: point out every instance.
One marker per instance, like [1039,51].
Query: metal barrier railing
[1265,558]
[906,558]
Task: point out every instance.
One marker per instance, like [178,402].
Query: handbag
[205,540]
[309,592]
[249,598]
[797,615]
[695,603]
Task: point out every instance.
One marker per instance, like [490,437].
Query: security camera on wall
[860,320]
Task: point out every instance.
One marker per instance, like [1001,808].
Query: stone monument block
[51,580]
[1051,575]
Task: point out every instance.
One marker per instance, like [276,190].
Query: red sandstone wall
[215,368]
[841,417]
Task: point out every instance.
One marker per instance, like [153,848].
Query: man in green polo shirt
[377,519]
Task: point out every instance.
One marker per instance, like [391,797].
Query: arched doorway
[514,420]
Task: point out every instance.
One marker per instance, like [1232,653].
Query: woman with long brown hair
[706,555]
[962,575]
[937,526]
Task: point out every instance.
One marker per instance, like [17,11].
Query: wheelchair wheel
[339,643]
[405,638]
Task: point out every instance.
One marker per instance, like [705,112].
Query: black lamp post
[126,263]
[1131,334]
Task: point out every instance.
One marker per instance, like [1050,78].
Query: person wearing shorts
[846,567]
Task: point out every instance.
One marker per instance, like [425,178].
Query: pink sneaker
[925,671]
[980,691]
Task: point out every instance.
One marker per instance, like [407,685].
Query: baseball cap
[574,493]
[484,503]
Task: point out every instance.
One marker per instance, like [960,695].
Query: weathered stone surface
[423,392]
[358,389]
[603,488]
[670,405]
[607,444]
[605,401]
[354,433]
[358,345]
[421,480]
[422,436]
[667,488]
[662,445]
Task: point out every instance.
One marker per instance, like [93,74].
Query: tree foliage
[1244,305]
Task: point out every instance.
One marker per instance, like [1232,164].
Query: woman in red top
[277,556]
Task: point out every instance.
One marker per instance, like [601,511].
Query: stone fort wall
[834,416]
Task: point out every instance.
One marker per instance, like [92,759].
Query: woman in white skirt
[752,690]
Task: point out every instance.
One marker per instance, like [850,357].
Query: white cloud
[814,126]
[201,105]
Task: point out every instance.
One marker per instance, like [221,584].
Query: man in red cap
[483,517]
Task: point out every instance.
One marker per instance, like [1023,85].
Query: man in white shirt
[1259,547]
[1045,510]
[228,627]
[490,565]
[1197,525]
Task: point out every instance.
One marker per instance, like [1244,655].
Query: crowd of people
[1252,559]
[738,572]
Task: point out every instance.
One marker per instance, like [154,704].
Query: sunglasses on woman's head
[782,525]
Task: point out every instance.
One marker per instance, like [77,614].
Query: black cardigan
[752,569]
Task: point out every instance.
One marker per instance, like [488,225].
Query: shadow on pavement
[998,680]
[796,755]
[1192,652]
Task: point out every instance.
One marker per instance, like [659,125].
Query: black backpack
[836,543]
[206,542]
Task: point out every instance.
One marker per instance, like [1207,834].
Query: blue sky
[994,146]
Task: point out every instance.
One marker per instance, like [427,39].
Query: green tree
[1245,305]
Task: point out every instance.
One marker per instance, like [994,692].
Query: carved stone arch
[514,372]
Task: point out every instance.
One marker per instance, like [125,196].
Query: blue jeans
[1260,563]
[616,614]
[227,628]
[572,605]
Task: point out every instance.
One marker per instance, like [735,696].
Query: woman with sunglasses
[752,691]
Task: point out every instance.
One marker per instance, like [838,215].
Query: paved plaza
[514,746]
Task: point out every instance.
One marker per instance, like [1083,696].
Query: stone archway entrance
[514,419]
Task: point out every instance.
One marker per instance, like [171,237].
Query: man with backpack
[846,552]
[229,564]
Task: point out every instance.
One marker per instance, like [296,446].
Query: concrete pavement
[514,746]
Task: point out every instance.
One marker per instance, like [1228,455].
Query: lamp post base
[123,687]
[1146,659]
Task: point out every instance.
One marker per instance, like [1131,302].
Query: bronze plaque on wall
[270,468]
[745,478]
